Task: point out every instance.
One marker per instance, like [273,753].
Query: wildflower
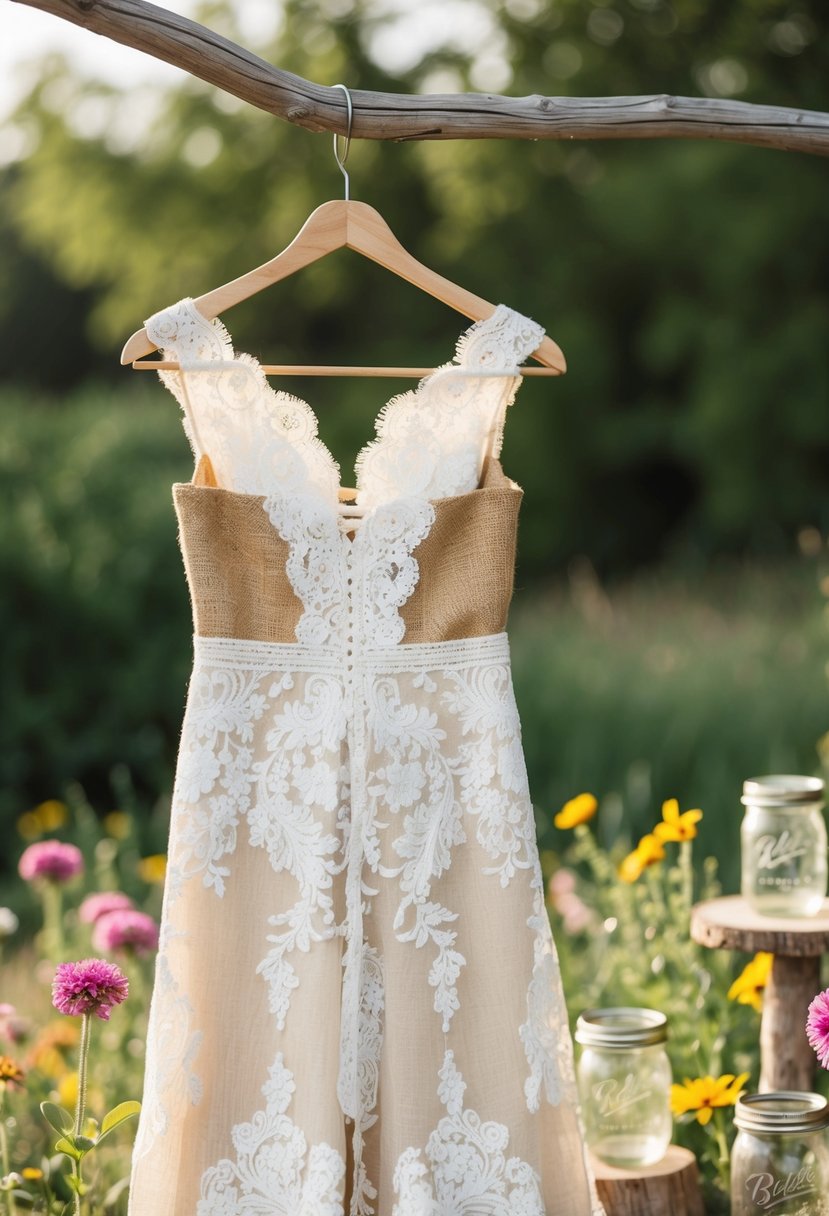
[10,1073]
[51,860]
[31,1173]
[126,929]
[675,826]
[28,825]
[100,903]
[817,1027]
[91,986]
[562,882]
[153,868]
[748,987]
[51,815]
[68,1089]
[117,824]
[706,1093]
[13,1027]
[9,923]
[648,851]
[577,810]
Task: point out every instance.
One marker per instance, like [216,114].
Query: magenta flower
[100,903]
[125,929]
[91,986]
[52,860]
[817,1027]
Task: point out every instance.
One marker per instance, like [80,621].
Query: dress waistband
[289,656]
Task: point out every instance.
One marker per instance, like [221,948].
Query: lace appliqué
[431,441]
[275,1172]
[466,1168]
[258,439]
[351,591]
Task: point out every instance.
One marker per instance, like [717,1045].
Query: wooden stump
[669,1188]
[787,1061]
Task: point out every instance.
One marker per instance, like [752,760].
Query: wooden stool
[786,1059]
[669,1188]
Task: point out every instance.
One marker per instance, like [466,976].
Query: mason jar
[783,845]
[780,1158]
[624,1080]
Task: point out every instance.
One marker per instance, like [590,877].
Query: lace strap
[502,340]
[185,335]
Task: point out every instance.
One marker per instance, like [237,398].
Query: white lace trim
[432,440]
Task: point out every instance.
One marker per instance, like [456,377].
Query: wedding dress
[357,1008]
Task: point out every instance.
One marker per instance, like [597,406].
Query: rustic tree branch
[397,116]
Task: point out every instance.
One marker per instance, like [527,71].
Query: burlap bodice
[239,587]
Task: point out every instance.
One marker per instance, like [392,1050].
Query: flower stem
[53,920]
[686,865]
[80,1106]
[4,1156]
[723,1157]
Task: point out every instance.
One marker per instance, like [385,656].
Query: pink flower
[52,860]
[126,929]
[91,986]
[100,903]
[13,1026]
[817,1027]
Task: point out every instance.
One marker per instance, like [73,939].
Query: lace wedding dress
[357,1008]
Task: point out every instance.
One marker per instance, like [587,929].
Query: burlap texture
[235,563]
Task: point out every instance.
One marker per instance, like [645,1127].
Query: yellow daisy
[704,1094]
[748,987]
[675,826]
[577,810]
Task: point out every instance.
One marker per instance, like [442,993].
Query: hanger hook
[342,159]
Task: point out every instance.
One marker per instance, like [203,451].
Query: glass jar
[625,1085]
[780,1158]
[783,845]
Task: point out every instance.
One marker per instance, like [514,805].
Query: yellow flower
[51,814]
[648,851]
[577,810]
[31,1173]
[68,1089]
[706,1093]
[10,1073]
[748,987]
[153,868]
[675,826]
[117,824]
[28,825]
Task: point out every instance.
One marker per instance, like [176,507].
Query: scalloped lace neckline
[426,439]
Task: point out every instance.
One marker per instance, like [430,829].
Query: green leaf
[77,1184]
[57,1117]
[84,1143]
[115,1117]
[67,1146]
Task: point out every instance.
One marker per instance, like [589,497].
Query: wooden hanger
[336,225]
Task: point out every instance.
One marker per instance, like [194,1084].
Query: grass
[672,686]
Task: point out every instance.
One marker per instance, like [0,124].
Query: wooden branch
[398,116]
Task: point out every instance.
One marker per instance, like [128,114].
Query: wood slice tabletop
[729,923]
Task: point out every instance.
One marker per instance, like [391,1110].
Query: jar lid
[783,1112]
[782,790]
[621,1027]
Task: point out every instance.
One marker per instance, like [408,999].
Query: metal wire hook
[342,159]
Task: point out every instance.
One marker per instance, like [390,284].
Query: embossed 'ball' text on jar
[625,1085]
[783,845]
[780,1158]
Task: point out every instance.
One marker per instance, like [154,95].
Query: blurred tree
[686,282]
